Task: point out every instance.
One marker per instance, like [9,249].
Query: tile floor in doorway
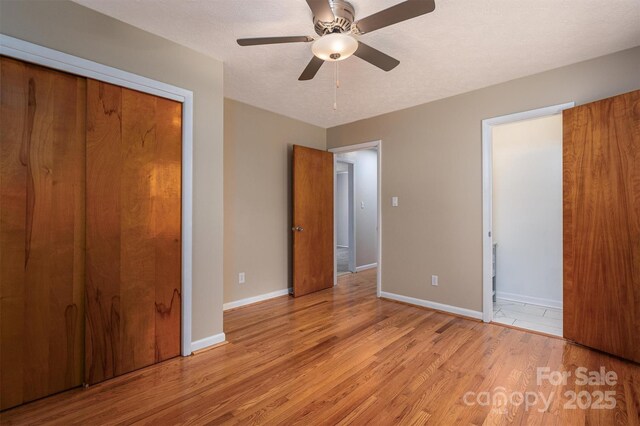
[528,316]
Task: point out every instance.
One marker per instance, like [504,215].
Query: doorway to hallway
[356,208]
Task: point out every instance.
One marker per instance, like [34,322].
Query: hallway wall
[342,209]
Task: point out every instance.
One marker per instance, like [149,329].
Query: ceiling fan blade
[273,40]
[321,10]
[311,69]
[376,57]
[398,13]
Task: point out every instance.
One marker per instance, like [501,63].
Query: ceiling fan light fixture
[334,47]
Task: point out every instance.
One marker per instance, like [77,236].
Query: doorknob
[297,228]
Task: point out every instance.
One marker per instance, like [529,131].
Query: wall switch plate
[241,278]
[434,280]
[362,204]
[394,201]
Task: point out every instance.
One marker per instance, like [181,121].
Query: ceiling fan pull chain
[335,89]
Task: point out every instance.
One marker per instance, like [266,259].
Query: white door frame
[351,200]
[36,54]
[487,193]
[358,147]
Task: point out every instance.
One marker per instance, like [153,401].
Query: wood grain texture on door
[133,230]
[601,178]
[313,213]
[42,210]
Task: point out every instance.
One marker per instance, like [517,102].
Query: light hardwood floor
[343,356]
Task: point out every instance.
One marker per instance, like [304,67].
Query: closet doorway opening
[357,210]
[522,196]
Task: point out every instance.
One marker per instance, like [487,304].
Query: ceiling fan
[334,22]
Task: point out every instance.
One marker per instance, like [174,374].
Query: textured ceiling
[463,45]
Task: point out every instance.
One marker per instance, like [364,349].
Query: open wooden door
[601,178]
[312,220]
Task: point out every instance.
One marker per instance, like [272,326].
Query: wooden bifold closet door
[90,231]
[42,202]
[133,283]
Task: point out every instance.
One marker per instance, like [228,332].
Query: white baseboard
[254,299]
[207,341]
[365,267]
[512,297]
[433,305]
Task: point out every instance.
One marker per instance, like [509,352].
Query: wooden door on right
[601,208]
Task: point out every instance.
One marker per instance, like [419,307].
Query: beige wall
[431,160]
[257,196]
[76,30]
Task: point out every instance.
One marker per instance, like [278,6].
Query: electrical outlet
[241,278]
[434,280]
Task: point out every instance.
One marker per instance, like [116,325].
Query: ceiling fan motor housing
[344,15]
[338,32]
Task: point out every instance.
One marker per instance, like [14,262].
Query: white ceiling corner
[463,45]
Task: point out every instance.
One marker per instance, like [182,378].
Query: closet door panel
[13,201]
[104,140]
[133,209]
[67,236]
[167,208]
[137,245]
[41,231]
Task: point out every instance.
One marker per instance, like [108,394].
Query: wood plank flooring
[342,356]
